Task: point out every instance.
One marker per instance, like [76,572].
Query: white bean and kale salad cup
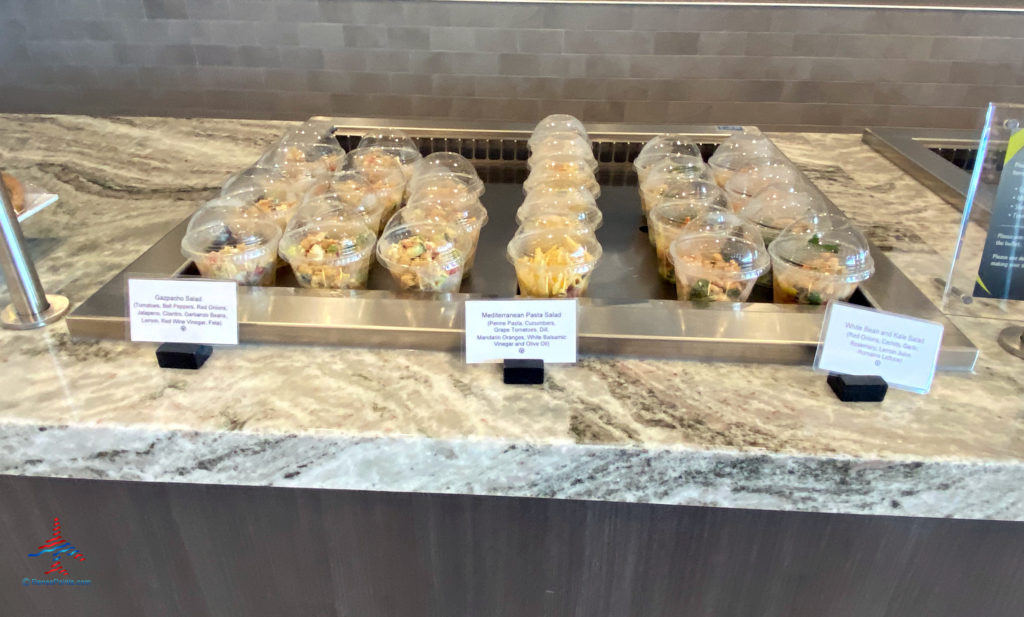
[667,221]
[819,258]
[717,257]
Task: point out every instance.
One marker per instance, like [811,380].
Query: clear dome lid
[469,214]
[680,212]
[675,167]
[555,182]
[322,158]
[755,176]
[338,205]
[826,243]
[561,165]
[722,240]
[778,205]
[577,206]
[696,191]
[458,186]
[327,241]
[562,144]
[445,162]
[667,144]
[222,223]
[557,123]
[272,189]
[379,167]
[733,152]
[393,142]
[220,208]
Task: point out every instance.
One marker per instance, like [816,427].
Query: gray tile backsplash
[793,67]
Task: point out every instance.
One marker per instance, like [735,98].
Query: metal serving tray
[628,311]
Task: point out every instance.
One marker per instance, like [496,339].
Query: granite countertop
[621,429]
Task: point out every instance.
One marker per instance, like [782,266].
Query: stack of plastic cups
[555,249]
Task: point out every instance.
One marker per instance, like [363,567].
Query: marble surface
[624,429]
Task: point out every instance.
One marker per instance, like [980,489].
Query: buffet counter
[750,436]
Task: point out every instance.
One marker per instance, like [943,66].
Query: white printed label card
[202,311]
[499,330]
[902,350]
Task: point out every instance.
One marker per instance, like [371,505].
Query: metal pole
[30,307]
[1012,340]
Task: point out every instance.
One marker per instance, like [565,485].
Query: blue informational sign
[1001,273]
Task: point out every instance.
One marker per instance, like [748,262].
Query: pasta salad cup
[554,263]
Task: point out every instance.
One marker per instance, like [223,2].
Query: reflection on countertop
[622,429]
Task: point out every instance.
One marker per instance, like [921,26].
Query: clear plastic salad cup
[755,176]
[233,243]
[667,221]
[561,166]
[349,192]
[557,123]
[702,191]
[554,263]
[544,221]
[737,151]
[445,161]
[776,207]
[575,206]
[273,190]
[455,186]
[329,254]
[467,217]
[564,143]
[671,169]
[553,183]
[717,257]
[819,258]
[423,256]
[383,171]
[395,143]
[661,146]
[337,207]
[562,192]
[322,158]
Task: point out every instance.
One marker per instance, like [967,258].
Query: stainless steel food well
[628,311]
